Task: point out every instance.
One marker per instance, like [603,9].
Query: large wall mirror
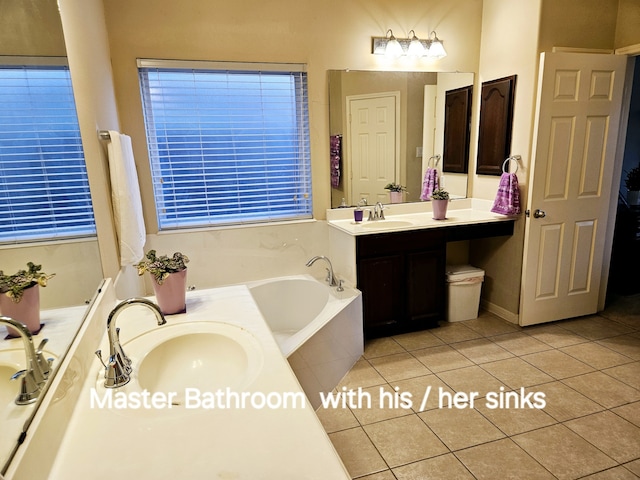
[395,121]
[33,29]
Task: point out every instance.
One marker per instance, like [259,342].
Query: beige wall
[30,27]
[333,34]
[627,31]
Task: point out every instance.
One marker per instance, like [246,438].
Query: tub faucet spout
[35,375]
[118,367]
[331,278]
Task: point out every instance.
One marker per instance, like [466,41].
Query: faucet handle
[29,388]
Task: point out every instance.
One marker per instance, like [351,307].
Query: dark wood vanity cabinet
[402,279]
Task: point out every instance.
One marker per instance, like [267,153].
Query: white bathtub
[318,329]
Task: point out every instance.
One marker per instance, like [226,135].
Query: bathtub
[319,330]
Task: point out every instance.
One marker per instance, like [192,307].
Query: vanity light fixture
[393,47]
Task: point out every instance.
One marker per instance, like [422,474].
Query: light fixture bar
[431,48]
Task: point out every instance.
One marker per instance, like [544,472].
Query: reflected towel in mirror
[429,184]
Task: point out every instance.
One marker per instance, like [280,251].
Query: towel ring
[515,158]
[436,159]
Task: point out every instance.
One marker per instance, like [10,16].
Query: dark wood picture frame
[457,129]
[496,124]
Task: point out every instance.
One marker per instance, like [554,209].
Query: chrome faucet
[331,278]
[377,213]
[117,371]
[38,368]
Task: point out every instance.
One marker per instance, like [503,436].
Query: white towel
[125,198]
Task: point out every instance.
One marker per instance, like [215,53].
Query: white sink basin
[386,224]
[203,355]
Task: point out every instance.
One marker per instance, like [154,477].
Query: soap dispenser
[357,213]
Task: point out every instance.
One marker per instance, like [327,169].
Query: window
[44,190]
[228,143]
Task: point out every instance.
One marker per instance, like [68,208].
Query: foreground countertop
[236,443]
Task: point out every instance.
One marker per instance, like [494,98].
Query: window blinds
[227,146]
[44,190]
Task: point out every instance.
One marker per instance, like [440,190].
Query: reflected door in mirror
[457,129]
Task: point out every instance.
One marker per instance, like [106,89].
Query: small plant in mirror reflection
[440,194]
[161,266]
[395,187]
[14,285]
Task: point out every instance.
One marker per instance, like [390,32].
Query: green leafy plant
[440,194]
[632,181]
[395,187]
[14,285]
[161,266]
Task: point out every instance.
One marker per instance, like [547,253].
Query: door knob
[539,213]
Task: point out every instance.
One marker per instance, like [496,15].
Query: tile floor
[588,370]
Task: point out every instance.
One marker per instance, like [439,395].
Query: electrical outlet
[418,152]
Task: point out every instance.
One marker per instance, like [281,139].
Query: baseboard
[500,312]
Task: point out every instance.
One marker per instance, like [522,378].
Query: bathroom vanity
[399,263]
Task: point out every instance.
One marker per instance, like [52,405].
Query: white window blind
[44,190]
[226,146]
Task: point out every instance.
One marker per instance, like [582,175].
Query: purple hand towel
[335,158]
[429,184]
[507,200]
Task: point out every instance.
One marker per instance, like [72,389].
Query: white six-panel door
[373,147]
[579,104]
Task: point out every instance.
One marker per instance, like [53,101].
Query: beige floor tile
[513,421]
[516,373]
[386,475]
[362,374]
[628,345]
[417,340]
[616,473]
[502,459]
[455,332]
[630,412]
[595,327]
[489,325]
[471,379]
[481,350]
[628,373]
[596,355]
[460,428]
[613,435]
[444,467]
[554,335]
[441,359]
[374,405]
[520,343]
[634,467]
[603,389]
[379,347]
[357,452]
[399,367]
[564,403]
[418,388]
[563,452]
[557,364]
[336,419]
[404,440]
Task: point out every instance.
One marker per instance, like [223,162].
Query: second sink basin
[203,355]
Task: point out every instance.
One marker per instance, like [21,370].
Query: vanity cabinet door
[381,281]
[425,288]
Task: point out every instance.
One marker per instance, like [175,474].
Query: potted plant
[632,182]
[169,280]
[439,201]
[20,296]
[395,192]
